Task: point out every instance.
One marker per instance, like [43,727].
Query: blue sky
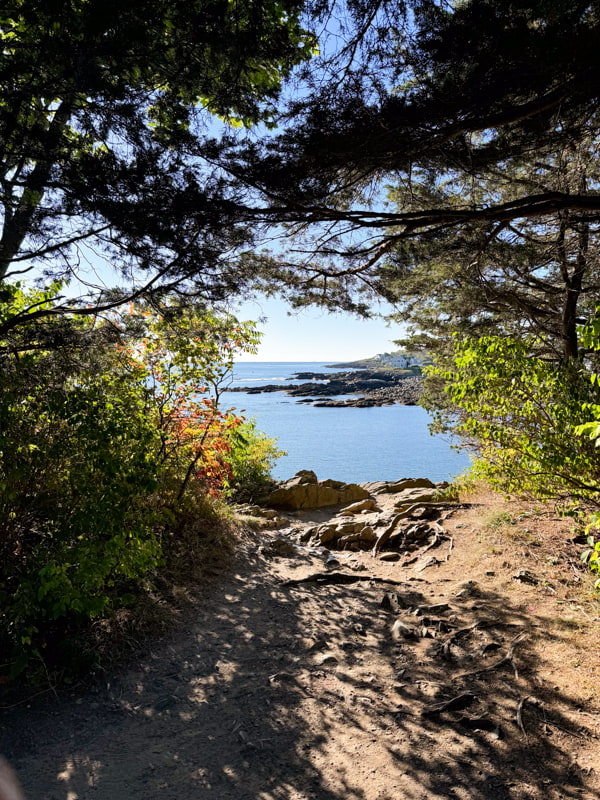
[314,334]
[311,334]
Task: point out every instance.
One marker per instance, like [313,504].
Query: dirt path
[466,684]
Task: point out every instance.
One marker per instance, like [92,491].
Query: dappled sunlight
[276,690]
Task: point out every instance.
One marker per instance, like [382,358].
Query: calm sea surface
[348,444]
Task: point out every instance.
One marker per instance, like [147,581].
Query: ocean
[347,444]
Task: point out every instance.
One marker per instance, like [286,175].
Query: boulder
[368,504]
[305,491]
[411,496]
[302,477]
[339,534]
[331,531]
[367,535]
[393,487]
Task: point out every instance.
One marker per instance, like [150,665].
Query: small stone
[357,566]
[389,557]
[400,630]
[490,573]
[525,576]
[325,659]
[280,547]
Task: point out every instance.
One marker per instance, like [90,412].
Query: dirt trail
[457,682]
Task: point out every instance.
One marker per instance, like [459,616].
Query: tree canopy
[456,93]
[523,278]
[106,148]
[107,143]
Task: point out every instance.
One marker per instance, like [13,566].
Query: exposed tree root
[340,578]
[507,659]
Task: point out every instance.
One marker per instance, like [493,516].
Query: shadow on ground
[283,692]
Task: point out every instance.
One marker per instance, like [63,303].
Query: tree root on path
[341,578]
[519,714]
[406,512]
[457,703]
[507,659]
[534,701]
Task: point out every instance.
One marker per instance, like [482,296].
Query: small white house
[396,360]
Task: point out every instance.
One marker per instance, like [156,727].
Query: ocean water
[347,444]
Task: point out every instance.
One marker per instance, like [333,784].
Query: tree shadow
[275,692]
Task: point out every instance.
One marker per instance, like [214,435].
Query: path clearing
[456,682]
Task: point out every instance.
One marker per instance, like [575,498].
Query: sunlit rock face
[304,490]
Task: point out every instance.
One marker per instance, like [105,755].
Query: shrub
[111,441]
[78,468]
[519,414]
[252,457]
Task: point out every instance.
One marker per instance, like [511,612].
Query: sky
[311,334]
[314,334]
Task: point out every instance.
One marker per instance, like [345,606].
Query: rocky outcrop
[401,485]
[410,517]
[403,531]
[377,387]
[305,491]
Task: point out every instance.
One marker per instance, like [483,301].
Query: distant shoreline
[376,387]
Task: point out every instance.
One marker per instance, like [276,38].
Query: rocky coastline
[390,519]
[374,387]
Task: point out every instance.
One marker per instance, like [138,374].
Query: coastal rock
[340,535]
[378,387]
[393,487]
[402,523]
[409,496]
[304,491]
[359,402]
[356,508]
[304,476]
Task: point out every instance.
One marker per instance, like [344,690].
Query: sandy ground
[457,681]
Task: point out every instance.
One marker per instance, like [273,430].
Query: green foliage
[519,414]
[591,557]
[108,443]
[537,281]
[107,124]
[252,457]
[77,470]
